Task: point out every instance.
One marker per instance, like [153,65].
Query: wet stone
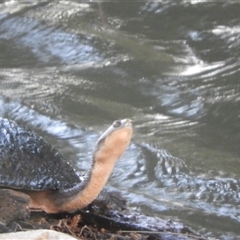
[37,235]
[13,206]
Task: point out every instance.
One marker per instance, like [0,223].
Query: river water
[69,68]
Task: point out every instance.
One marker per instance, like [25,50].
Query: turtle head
[114,141]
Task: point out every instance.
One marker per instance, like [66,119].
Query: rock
[13,206]
[36,235]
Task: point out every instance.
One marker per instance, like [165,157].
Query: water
[68,69]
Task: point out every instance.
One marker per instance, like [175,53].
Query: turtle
[32,166]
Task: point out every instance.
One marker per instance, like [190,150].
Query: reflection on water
[68,69]
[46,43]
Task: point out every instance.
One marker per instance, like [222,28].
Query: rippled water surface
[68,69]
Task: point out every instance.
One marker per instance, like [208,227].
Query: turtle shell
[29,162]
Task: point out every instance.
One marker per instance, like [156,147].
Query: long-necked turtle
[31,165]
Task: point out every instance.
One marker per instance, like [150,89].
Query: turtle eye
[116,123]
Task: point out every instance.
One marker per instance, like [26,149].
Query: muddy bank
[108,217]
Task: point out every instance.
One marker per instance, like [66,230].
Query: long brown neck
[70,200]
[94,183]
[105,157]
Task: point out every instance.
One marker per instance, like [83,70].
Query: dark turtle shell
[29,162]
